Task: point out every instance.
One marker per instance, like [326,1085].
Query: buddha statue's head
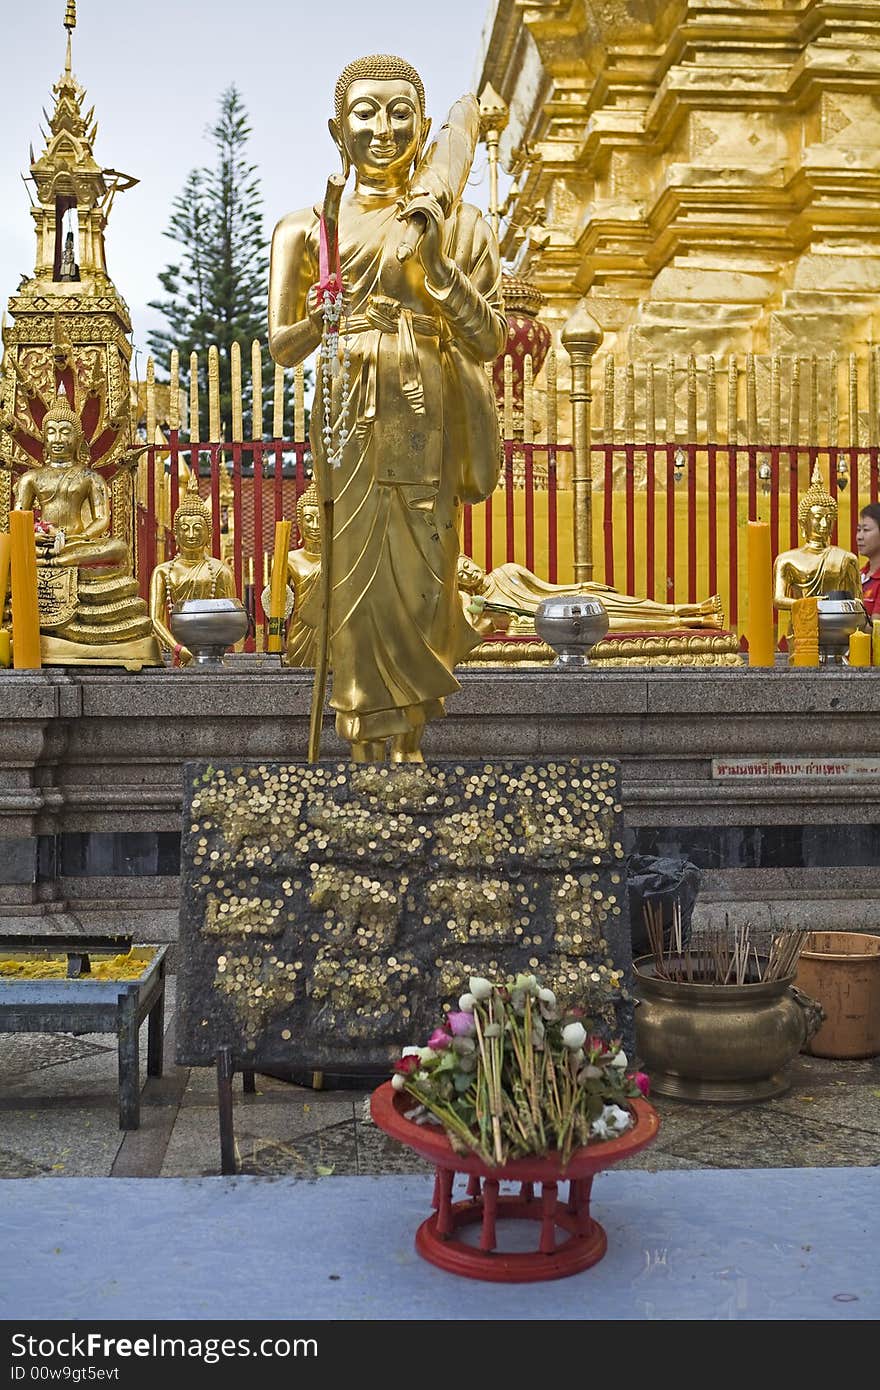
[192,522]
[817,512]
[308,520]
[380,125]
[63,440]
[470,577]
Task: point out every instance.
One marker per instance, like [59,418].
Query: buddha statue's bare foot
[709,613]
[372,751]
[712,610]
[405,747]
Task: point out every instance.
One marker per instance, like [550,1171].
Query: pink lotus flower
[642,1080]
[439,1039]
[462,1024]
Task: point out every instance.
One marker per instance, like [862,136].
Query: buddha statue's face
[310,527]
[470,577]
[381,128]
[61,440]
[192,534]
[818,523]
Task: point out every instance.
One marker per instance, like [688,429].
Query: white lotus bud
[574,1035]
[466,1003]
[481,989]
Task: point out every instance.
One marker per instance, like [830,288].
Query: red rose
[407,1064]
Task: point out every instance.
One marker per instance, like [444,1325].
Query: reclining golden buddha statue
[90,609]
[513,586]
[488,598]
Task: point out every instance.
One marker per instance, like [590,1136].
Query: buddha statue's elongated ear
[423,140]
[336,136]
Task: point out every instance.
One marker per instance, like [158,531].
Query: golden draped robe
[810,574]
[424,438]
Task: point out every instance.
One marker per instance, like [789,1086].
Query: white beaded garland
[333,307]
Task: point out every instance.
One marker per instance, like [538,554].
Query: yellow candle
[759,629]
[875,642]
[860,649]
[25,611]
[278,591]
[5,647]
[5,548]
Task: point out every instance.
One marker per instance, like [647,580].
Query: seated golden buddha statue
[817,567]
[303,568]
[90,609]
[192,573]
[512,586]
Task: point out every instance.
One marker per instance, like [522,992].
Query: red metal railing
[668,518]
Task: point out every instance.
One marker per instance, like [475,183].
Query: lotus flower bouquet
[510,1073]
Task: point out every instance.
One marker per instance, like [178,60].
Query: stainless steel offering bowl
[571,624]
[840,615]
[208,627]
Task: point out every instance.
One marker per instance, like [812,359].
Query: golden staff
[330,226]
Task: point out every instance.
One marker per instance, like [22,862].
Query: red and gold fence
[660,519]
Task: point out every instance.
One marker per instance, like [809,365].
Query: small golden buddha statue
[193,572]
[90,610]
[70,497]
[512,586]
[303,568]
[816,567]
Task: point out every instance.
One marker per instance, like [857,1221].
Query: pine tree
[217,293]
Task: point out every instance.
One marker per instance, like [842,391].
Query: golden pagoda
[709,173]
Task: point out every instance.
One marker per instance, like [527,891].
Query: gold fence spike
[213,395]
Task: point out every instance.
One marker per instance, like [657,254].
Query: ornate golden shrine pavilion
[71,325]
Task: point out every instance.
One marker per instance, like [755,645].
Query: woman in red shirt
[868,544]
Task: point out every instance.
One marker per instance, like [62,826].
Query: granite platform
[91,777]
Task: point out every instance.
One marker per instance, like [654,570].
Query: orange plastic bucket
[842,970]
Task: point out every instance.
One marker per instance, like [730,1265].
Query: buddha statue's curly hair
[191,503]
[309,498]
[382,67]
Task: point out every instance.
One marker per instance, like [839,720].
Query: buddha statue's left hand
[438,268]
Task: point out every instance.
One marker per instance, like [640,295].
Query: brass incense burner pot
[720,1042]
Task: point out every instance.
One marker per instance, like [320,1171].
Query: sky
[155,72]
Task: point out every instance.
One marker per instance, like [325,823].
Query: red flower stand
[436,1237]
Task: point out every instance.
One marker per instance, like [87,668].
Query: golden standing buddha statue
[90,610]
[303,569]
[411,414]
[192,573]
[816,567]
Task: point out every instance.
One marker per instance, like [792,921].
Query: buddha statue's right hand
[314,310]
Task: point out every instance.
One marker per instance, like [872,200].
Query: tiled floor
[58,1118]
[734,1215]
